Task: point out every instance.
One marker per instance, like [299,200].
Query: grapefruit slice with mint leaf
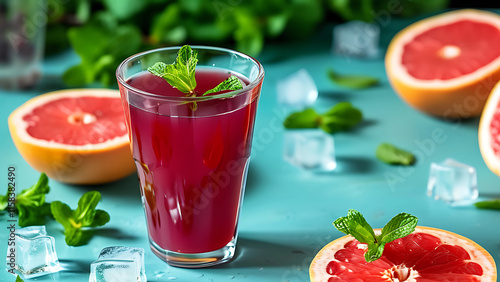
[76,136]
[425,254]
[446,65]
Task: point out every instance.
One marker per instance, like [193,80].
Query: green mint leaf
[62,213]
[35,195]
[492,205]
[340,117]
[76,221]
[18,279]
[232,83]
[33,215]
[101,217]
[390,154]
[85,211]
[352,81]
[307,118]
[30,203]
[374,252]
[355,224]
[399,226]
[77,237]
[180,74]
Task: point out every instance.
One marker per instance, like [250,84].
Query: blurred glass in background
[22,38]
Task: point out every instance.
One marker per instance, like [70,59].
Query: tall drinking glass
[191,153]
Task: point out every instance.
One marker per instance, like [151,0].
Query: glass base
[197,260]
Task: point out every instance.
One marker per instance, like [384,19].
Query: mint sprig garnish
[340,117]
[181,74]
[355,224]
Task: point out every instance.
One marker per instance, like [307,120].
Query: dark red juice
[191,163]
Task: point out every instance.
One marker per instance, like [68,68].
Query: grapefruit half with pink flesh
[446,65]
[489,131]
[76,136]
[427,254]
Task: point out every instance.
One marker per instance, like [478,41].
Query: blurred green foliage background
[104,32]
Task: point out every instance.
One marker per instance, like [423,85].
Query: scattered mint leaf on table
[77,222]
[352,81]
[307,118]
[340,117]
[18,279]
[355,224]
[390,154]
[181,74]
[492,205]
[30,203]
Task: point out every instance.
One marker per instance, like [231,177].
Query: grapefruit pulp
[446,65]
[427,254]
[75,136]
[489,131]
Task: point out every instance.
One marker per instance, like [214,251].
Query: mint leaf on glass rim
[231,83]
[181,74]
[354,224]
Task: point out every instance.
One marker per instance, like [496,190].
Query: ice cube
[34,252]
[297,90]
[121,264]
[452,182]
[310,149]
[356,39]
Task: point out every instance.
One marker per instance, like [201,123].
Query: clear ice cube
[356,39]
[297,90]
[34,252]
[452,182]
[310,149]
[120,264]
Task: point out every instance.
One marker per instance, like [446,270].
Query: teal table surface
[287,212]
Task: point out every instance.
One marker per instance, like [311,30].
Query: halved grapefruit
[489,131]
[427,254]
[75,136]
[446,65]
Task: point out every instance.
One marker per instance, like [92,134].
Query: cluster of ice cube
[33,254]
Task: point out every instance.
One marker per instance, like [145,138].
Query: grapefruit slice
[489,131]
[76,136]
[428,254]
[446,65]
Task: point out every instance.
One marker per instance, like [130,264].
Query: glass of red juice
[192,153]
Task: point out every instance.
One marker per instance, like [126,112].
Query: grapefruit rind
[460,97]
[484,135]
[88,164]
[317,269]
